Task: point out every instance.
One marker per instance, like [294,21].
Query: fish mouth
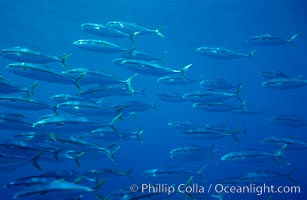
[198,49]
[77,43]
[118,61]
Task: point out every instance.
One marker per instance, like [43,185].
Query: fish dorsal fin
[52,136]
[100,101]
[267,35]
[59,181]
[35,48]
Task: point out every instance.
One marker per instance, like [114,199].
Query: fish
[131,28]
[273,74]
[15,122]
[127,194]
[260,176]
[108,134]
[225,128]
[271,40]
[12,162]
[47,177]
[68,175]
[289,120]
[284,83]
[75,155]
[71,123]
[21,148]
[218,84]
[106,173]
[102,30]
[170,97]
[141,55]
[254,155]
[150,68]
[174,172]
[87,77]
[23,103]
[223,53]
[80,144]
[214,132]
[185,125]
[176,80]
[98,92]
[193,153]
[85,109]
[57,190]
[24,54]
[218,106]
[101,46]
[41,72]
[134,106]
[29,181]
[204,96]
[8,87]
[250,110]
[61,98]
[293,144]
[30,137]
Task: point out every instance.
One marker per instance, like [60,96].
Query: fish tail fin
[128,83]
[188,181]
[279,154]
[189,196]
[290,41]
[132,36]
[63,59]
[158,31]
[115,129]
[243,105]
[114,120]
[183,70]
[97,189]
[138,134]
[238,92]
[55,109]
[99,197]
[77,81]
[212,151]
[219,196]
[162,57]
[200,172]
[30,90]
[53,137]
[155,105]
[76,159]
[111,155]
[289,175]
[128,173]
[251,54]
[234,134]
[56,155]
[143,92]
[34,160]
[99,185]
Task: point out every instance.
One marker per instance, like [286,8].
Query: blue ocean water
[52,26]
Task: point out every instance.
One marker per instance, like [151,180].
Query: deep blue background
[52,26]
